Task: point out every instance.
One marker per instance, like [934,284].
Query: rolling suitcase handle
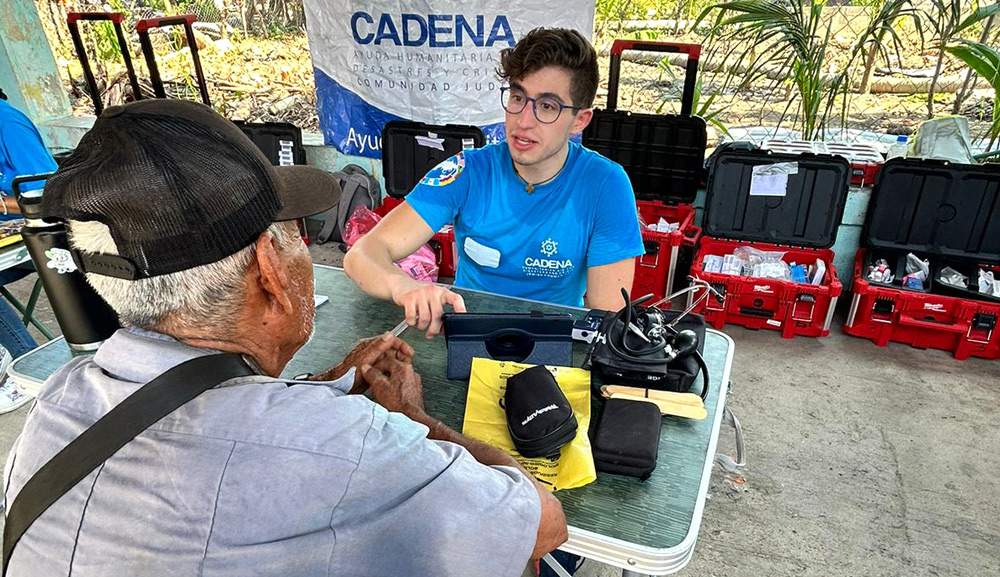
[116,18]
[187,20]
[693,52]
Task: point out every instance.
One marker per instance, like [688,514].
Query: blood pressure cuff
[628,438]
[680,374]
[539,418]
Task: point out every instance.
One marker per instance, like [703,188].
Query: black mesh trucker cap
[179,186]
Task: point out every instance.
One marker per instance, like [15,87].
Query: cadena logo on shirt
[549,267]
[446,172]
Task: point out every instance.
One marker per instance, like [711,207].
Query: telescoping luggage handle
[693,52]
[187,20]
[116,18]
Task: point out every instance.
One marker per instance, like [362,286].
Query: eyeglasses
[546,108]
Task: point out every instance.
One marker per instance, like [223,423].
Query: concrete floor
[862,460]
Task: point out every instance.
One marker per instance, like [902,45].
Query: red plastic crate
[795,309]
[443,242]
[655,270]
[446,251]
[865,159]
[964,327]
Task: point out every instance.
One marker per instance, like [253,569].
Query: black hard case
[947,213]
[280,142]
[807,216]
[663,154]
[405,160]
[546,431]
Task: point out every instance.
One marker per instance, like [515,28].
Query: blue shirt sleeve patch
[446,172]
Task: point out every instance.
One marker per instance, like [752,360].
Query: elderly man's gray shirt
[258,478]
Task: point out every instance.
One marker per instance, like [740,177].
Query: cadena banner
[381,61]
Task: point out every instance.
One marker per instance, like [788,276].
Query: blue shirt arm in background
[22,152]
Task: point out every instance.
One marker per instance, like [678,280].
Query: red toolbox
[663,155]
[798,216]
[655,270]
[409,150]
[948,214]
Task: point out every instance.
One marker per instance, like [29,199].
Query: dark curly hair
[559,47]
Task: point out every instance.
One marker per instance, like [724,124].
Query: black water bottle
[85,319]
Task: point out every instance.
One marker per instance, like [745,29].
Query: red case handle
[160,22]
[910,321]
[621,45]
[74,17]
[187,20]
[693,52]
[116,18]
[690,240]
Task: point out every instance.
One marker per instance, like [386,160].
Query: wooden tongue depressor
[668,407]
[682,398]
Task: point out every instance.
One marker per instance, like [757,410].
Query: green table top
[648,527]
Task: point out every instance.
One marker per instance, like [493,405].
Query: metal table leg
[27,311]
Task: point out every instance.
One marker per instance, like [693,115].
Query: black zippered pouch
[627,438]
[539,417]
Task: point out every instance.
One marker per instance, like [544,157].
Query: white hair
[207,296]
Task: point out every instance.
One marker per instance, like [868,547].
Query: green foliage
[985,60]
[949,20]
[699,107]
[789,40]
[105,42]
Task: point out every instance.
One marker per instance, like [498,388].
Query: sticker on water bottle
[61,260]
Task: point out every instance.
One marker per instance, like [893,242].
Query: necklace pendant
[530,188]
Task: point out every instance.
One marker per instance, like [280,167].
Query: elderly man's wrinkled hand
[396,386]
[424,304]
[369,352]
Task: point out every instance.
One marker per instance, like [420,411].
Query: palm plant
[882,28]
[985,60]
[792,36]
[945,18]
[785,35]
[700,106]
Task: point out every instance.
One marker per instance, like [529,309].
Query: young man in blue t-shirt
[536,217]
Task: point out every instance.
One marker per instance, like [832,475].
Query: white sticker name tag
[481,254]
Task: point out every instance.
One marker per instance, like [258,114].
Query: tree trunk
[866,78]
[57,21]
[930,90]
[224,20]
[964,92]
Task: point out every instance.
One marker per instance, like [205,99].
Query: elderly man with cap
[194,232]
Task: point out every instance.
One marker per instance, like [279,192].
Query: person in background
[538,216]
[22,152]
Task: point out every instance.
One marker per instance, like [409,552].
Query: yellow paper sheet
[485,421]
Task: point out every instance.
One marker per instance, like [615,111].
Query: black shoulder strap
[153,401]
